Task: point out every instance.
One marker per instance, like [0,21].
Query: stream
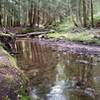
[56,75]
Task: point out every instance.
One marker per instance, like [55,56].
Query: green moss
[26,30]
[8,78]
[84,37]
[8,57]
[67,31]
[24,97]
[65,26]
[8,61]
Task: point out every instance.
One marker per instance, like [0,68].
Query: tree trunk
[0,13]
[84,14]
[38,14]
[34,17]
[92,17]
[79,17]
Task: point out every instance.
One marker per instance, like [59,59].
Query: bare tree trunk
[43,17]
[84,14]
[92,17]
[38,14]
[72,15]
[34,17]
[30,15]
[79,17]
[0,13]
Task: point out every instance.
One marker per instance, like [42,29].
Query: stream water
[56,75]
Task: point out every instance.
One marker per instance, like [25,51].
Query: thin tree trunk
[0,13]
[30,15]
[43,17]
[38,16]
[92,17]
[34,17]
[84,14]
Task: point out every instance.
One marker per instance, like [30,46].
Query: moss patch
[85,38]
[6,58]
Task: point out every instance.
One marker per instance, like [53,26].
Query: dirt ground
[67,46]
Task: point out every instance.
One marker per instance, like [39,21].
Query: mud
[67,46]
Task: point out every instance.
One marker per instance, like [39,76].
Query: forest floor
[76,40]
[68,31]
[78,35]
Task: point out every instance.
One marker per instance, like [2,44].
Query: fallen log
[36,33]
[21,35]
[8,41]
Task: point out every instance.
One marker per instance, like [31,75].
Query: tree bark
[84,14]
[0,13]
[34,17]
[79,17]
[92,17]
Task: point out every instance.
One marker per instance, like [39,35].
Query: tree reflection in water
[57,76]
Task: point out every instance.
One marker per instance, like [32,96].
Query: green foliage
[97,17]
[65,26]
[25,98]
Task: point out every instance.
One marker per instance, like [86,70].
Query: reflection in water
[58,76]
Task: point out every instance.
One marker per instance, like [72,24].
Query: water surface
[56,75]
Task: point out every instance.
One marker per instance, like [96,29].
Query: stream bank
[12,80]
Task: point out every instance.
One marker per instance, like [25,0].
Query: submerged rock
[82,61]
[88,93]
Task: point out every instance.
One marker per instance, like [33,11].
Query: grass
[25,98]
[85,38]
[26,30]
[65,31]
[65,26]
